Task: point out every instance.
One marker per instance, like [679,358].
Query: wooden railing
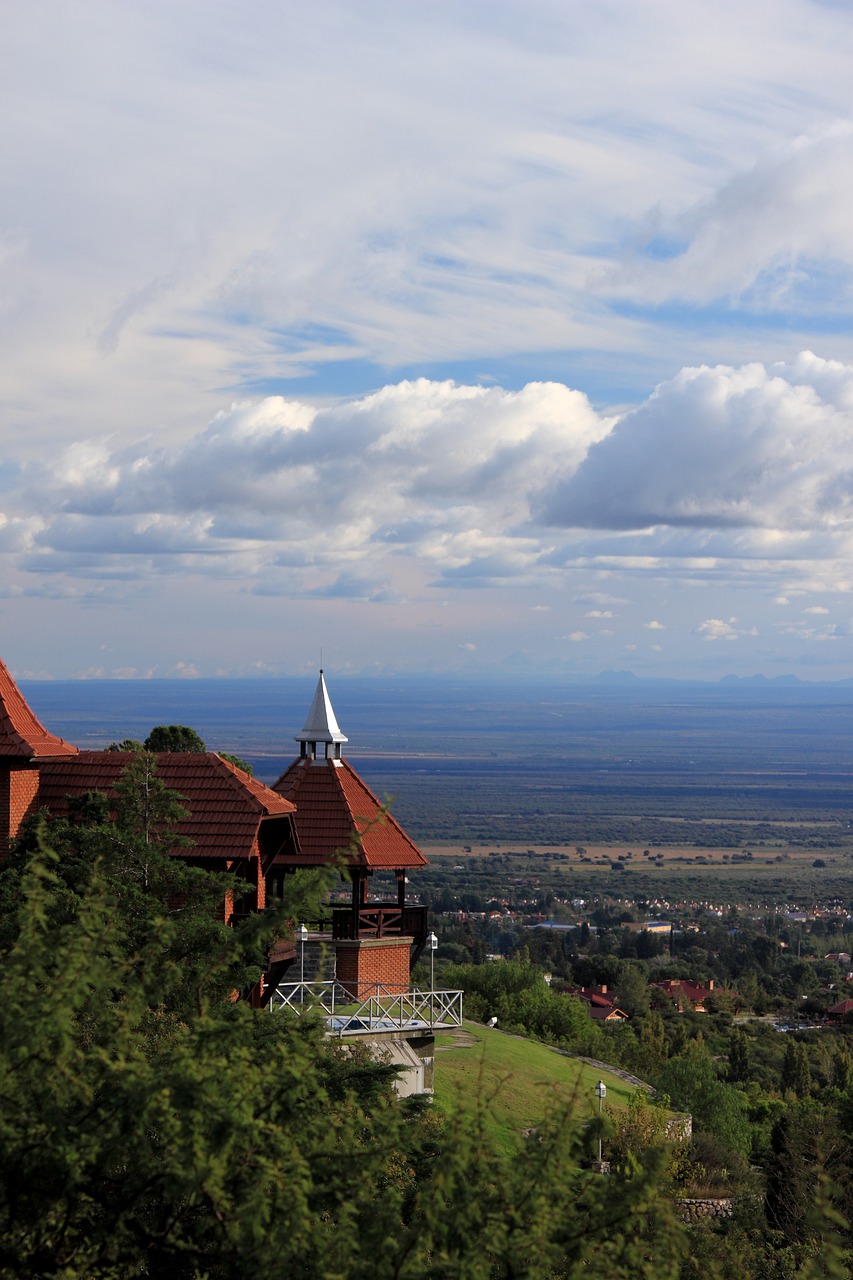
[379,920]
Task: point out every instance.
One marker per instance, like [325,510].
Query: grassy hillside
[520,1081]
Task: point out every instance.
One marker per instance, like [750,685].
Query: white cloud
[759,459]
[279,212]
[760,237]
[717,629]
[381,497]
[228,201]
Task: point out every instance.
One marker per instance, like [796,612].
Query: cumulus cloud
[764,454]
[731,478]
[720,471]
[437,470]
[718,629]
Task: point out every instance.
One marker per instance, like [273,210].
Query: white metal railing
[378,1010]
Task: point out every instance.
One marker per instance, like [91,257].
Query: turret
[320,727]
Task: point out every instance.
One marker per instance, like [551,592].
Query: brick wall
[18,793]
[361,965]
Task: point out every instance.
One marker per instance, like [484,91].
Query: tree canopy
[173,737]
[151,1125]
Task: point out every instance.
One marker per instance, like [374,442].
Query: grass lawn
[520,1079]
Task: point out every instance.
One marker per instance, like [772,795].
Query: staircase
[319,960]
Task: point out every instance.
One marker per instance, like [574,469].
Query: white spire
[321,725]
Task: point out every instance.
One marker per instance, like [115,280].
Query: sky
[474,336]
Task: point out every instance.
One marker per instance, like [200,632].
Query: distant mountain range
[755,681]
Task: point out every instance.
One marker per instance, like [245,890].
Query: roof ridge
[21,732]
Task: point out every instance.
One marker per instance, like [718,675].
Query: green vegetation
[515,1083]
[150,1125]
[174,737]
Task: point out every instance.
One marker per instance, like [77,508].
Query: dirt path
[462,1039]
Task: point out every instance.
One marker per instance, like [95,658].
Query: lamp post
[601,1094]
[302,935]
[432,943]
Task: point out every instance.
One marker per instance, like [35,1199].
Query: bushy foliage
[143,1136]
[517,995]
[174,737]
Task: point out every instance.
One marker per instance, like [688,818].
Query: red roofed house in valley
[319,812]
[338,818]
[686,994]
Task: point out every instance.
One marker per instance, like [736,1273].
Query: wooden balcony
[379,920]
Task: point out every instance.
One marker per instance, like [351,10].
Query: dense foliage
[152,1125]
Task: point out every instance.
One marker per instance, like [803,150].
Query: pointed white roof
[321,725]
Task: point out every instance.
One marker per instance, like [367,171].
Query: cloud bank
[422,483]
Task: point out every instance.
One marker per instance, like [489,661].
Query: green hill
[519,1080]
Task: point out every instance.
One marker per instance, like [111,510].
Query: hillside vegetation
[515,1082]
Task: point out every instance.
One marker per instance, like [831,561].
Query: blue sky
[463,336]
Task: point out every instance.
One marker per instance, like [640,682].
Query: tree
[240,763]
[796,1073]
[842,1067]
[692,1083]
[738,1056]
[632,991]
[173,737]
[142,1135]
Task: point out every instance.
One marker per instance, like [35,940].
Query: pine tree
[738,1056]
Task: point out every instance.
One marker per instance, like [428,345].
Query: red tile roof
[226,806]
[21,734]
[333,805]
[684,989]
[841,1009]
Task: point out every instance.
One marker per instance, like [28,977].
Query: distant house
[686,994]
[838,1012]
[602,1007]
[659,927]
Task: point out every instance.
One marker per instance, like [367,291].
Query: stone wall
[696,1210]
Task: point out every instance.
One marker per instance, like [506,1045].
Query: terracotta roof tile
[332,806]
[21,734]
[226,806]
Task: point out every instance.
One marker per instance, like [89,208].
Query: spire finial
[321,725]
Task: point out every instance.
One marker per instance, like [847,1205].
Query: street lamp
[432,943]
[601,1094]
[302,935]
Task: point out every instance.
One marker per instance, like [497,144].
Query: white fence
[381,1010]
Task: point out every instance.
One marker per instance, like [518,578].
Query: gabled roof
[841,1009]
[684,989]
[226,806]
[21,734]
[334,806]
